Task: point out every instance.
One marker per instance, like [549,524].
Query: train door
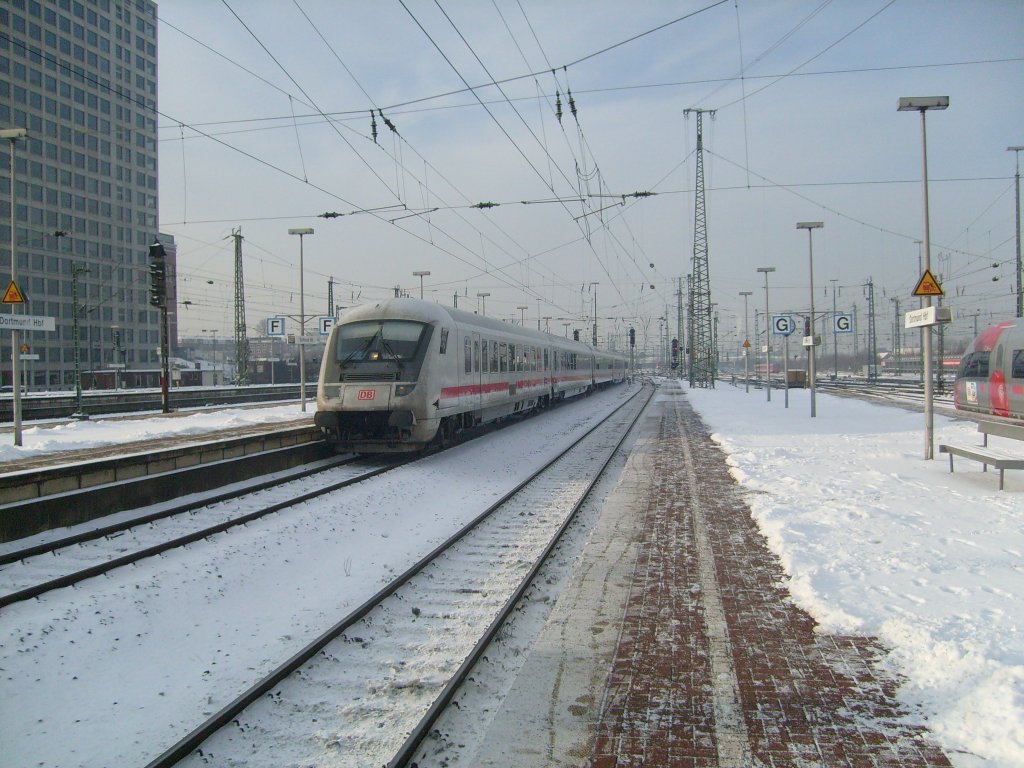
[477,376]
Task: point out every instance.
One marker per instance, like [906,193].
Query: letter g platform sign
[782,325]
[843,324]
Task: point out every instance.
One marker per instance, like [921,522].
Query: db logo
[366,394]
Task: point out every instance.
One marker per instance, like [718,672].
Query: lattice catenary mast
[702,351]
[241,340]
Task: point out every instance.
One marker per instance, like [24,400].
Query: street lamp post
[768,334]
[922,104]
[835,333]
[12,135]
[75,309]
[421,274]
[522,314]
[810,226]
[483,298]
[302,232]
[746,341]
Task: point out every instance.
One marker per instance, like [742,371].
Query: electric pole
[241,340]
[872,338]
[703,370]
[1016,210]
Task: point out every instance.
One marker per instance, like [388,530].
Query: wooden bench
[988,456]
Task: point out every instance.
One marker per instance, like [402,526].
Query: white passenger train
[403,373]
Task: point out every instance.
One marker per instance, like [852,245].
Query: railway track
[27,572]
[389,668]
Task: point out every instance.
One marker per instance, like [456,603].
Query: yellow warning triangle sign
[928,285]
[13,295]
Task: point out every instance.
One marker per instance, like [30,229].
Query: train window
[485,359]
[503,357]
[974,365]
[444,341]
[469,353]
[545,359]
[511,358]
[494,357]
[1017,372]
[376,340]
[476,356]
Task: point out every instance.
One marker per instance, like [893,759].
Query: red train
[990,379]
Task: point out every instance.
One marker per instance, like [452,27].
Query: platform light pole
[12,135]
[1016,211]
[482,295]
[522,314]
[922,104]
[746,341]
[302,232]
[810,226]
[768,334]
[421,274]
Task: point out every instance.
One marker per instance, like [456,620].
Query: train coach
[990,379]
[402,374]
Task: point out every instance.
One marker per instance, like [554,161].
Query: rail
[234,709]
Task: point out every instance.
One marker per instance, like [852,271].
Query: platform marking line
[733,741]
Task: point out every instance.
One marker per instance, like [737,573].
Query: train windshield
[974,366]
[379,340]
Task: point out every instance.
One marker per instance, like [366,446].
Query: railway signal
[157,275]
[158,298]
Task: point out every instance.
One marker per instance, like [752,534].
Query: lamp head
[921,103]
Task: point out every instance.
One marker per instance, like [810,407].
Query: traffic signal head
[575,334]
[632,337]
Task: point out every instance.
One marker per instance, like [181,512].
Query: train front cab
[368,397]
[990,378]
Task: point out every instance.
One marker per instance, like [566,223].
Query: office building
[81,77]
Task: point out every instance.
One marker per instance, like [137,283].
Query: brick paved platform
[677,643]
[715,665]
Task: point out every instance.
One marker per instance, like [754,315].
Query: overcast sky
[266,123]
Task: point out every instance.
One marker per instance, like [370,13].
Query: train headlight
[401,390]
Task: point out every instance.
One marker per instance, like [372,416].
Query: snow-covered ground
[103,431]
[876,541]
[119,667]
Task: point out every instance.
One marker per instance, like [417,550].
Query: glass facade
[81,77]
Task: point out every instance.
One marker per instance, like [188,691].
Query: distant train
[990,379]
[403,374]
